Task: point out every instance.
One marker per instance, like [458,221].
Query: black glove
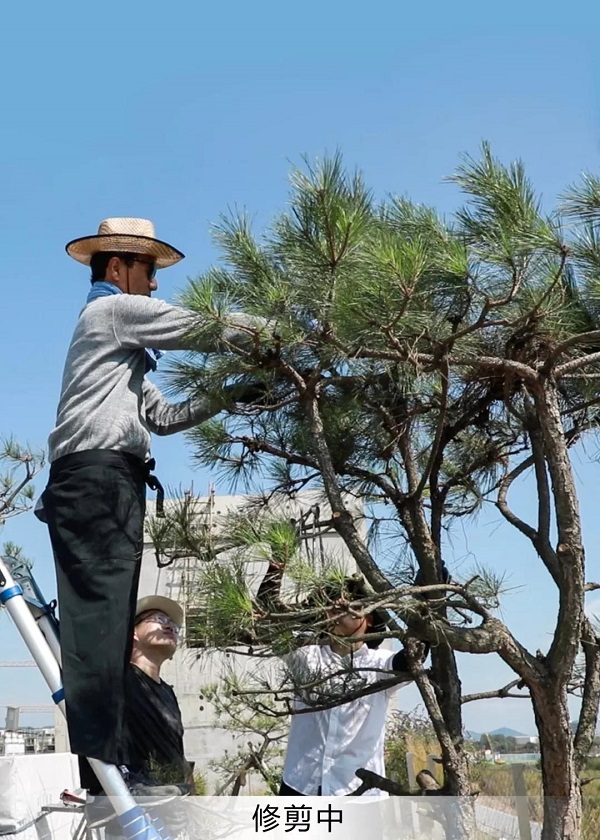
[400,663]
[420,581]
[251,393]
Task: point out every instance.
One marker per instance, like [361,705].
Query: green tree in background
[18,467]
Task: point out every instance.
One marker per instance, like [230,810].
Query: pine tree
[422,365]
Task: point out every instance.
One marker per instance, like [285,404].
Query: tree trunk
[442,698]
[460,818]
[459,805]
[560,783]
[448,692]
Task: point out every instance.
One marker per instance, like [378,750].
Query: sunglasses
[162,619]
[151,267]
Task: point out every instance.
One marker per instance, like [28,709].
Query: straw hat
[162,604]
[132,236]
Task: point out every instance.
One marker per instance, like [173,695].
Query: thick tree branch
[588,715]
[569,552]
[543,545]
[431,361]
[439,431]
[261,445]
[342,519]
[373,781]
[389,490]
[576,364]
[326,700]
[502,504]
[421,678]
[579,340]
[540,538]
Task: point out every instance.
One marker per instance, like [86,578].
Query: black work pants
[94,505]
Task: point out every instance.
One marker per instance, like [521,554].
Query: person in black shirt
[156,763]
[154,740]
[154,726]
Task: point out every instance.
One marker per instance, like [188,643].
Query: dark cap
[354,588]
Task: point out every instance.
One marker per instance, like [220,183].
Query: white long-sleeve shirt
[325,748]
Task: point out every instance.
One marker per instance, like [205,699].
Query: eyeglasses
[151,267]
[163,619]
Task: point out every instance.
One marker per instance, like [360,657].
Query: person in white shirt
[326,747]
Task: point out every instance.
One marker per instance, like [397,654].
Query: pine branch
[502,504]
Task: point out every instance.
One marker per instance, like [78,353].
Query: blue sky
[177,112]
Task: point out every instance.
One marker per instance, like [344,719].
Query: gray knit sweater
[106,402]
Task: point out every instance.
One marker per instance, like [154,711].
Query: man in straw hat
[94,502]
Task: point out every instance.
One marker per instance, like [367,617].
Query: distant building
[527,739]
[27,741]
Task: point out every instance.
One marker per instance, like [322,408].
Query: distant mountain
[505,730]
[470,735]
